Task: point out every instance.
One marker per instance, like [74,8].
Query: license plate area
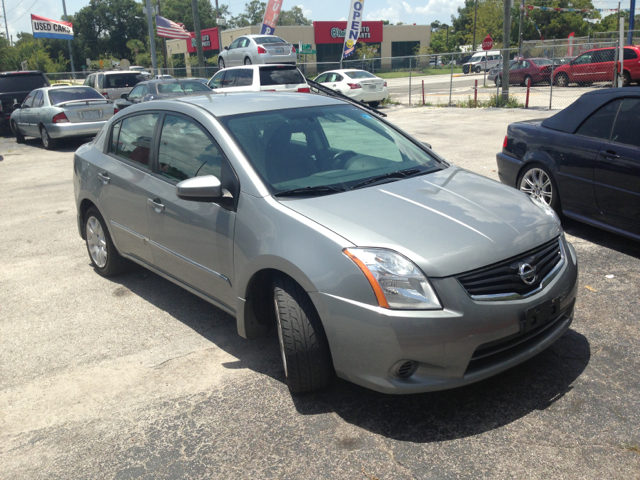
[372,87]
[89,114]
[540,314]
[279,50]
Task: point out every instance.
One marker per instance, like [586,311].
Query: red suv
[597,66]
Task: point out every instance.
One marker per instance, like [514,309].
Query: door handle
[157,206]
[610,155]
[104,177]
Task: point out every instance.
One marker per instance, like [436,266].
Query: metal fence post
[410,58]
[451,81]
[553,69]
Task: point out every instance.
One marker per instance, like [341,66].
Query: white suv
[256,78]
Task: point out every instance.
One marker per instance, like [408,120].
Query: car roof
[259,66]
[23,72]
[224,104]
[569,119]
[344,70]
[254,35]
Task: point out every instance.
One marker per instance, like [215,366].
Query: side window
[628,123]
[526,64]
[338,78]
[230,78]
[138,92]
[87,81]
[583,59]
[630,54]
[135,137]
[115,132]
[28,102]
[99,82]
[244,43]
[186,151]
[235,43]
[218,79]
[244,77]
[599,124]
[322,78]
[38,101]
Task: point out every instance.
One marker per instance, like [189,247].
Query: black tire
[626,79]
[114,263]
[526,78]
[554,201]
[17,133]
[562,80]
[247,61]
[478,69]
[374,104]
[220,63]
[47,142]
[303,344]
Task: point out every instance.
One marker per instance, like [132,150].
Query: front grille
[504,278]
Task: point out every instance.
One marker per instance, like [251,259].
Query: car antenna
[332,93]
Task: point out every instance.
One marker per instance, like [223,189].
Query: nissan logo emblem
[527,273]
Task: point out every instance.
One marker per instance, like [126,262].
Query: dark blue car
[584,161]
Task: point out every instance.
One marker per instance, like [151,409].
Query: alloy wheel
[45,137]
[537,184]
[96,242]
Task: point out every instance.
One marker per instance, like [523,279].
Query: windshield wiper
[399,174]
[317,190]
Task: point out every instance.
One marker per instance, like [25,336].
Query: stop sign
[487,43]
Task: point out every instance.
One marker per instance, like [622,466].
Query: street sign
[101,63]
[305,46]
[89,62]
[125,64]
[307,52]
[487,43]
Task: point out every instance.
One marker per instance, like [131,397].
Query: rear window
[542,61]
[359,74]
[280,76]
[122,80]
[182,87]
[263,40]
[76,93]
[22,83]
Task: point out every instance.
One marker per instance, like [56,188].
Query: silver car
[53,113]
[250,49]
[370,255]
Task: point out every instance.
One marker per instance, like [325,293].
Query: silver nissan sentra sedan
[371,256]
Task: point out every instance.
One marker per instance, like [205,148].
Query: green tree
[180,11]
[556,24]
[136,47]
[253,14]
[295,16]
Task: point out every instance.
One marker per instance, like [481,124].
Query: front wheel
[221,63]
[478,69]
[562,80]
[247,61]
[303,344]
[104,256]
[17,133]
[47,142]
[537,182]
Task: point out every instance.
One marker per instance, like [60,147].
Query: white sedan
[359,85]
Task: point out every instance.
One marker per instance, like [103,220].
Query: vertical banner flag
[271,14]
[354,22]
[46,28]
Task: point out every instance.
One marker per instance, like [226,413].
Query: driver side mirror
[16,106]
[200,189]
[226,48]
[124,96]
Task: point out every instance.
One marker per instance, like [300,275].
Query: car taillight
[293,49]
[506,140]
[261,49]
[115,110]
[304,90]
[105,94]
[354,86]
[385,84]
[60,118]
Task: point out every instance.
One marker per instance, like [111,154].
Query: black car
[162,89]
[14,88]
[584,161]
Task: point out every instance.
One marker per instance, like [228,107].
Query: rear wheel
[47,142]
[221,63]
[562,80]
[104,256]
[17,133]
[626,79]
[537,182]
[303,344]
[478,69]
[247,61]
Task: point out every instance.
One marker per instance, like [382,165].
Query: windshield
[73,93]
[359,74]
[336,146]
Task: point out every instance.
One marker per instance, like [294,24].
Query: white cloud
[407,7]
[305,11]
[440,7]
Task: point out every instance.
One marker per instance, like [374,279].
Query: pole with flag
[168,29]
[152,39]
[352,33]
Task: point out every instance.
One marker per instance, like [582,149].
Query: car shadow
[534,385]
[65,145]
[601,237]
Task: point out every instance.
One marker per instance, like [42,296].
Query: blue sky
[407,11]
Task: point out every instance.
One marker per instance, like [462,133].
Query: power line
[15,6]
[12,21]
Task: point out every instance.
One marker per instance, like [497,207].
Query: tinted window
[230,78]
[21,83]
[60,95]
[186,151]
[599,124]
[359,74]
[122,80]
[28,101]
[627,127]
[244,78]
[630,54]
[38,101]
[134,139]
[603,56]
[263,40]
[218,79]
[280,76]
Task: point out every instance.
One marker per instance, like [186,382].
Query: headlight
[396,281]
[547,209]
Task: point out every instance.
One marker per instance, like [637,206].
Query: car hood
[447,222]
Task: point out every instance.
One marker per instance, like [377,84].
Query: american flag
[167,28]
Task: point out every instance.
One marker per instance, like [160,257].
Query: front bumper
[465,342]
[64,130]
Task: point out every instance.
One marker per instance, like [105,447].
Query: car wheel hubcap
[45,137]
[537,184]
[97,242]
[281,341]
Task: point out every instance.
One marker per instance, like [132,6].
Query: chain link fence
[559,74]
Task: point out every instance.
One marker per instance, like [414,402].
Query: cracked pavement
[133,377]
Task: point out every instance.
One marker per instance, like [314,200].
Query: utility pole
[152,39]
[447,49]
[520,29]
[218,25]
[632,12]
[64,9]
[196,24]
[475,17]
[506,43]
[164,41]
[6,28]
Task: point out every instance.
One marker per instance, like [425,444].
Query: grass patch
[390,101]
[494,101]
[419,72]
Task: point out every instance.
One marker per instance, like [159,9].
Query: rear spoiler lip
[64,104]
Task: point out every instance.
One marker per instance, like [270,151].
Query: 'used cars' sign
[46,28]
